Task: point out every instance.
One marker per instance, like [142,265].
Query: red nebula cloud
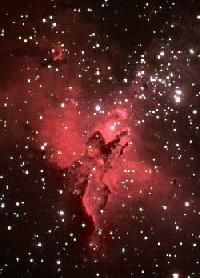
[58,53]
[94,197]
[122,178]
[125,179]
[113,124]
[63,131]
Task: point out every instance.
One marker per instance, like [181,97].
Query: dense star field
[99,136]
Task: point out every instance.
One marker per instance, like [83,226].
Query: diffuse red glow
[58,53]
[109,180]
[64,134]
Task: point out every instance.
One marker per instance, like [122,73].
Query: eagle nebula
[99,123]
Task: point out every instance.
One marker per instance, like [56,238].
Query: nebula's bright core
[99,137]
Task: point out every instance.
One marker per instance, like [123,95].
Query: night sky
[99,138]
